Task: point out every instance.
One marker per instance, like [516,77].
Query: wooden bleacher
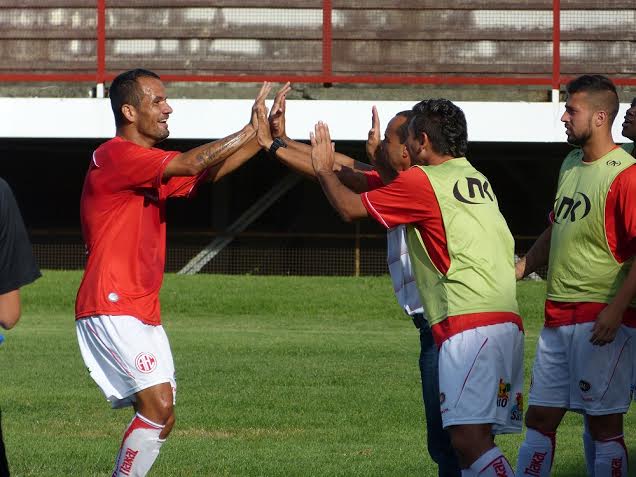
[407,37]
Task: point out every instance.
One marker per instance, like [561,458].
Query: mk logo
[569,208]
[473,186]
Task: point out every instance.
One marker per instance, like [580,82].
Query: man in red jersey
[457,242]
[583,360]
[389,157]
[123,215]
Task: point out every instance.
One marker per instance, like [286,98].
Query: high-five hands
[260,102]
[274,126]
[322,149]
[277,113]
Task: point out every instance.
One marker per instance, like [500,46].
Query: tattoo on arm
[220,150]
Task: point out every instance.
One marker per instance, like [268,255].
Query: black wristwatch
[278,142]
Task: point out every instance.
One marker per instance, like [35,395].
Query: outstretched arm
[200,158]
[297,155]
[536,257]
[346,202]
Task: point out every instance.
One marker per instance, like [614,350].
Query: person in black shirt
[17,268]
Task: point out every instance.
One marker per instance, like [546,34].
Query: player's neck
[133,135]
[595,148]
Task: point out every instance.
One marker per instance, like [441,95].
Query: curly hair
[445,125]
[125,90]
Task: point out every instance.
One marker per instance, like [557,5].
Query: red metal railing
[101,74]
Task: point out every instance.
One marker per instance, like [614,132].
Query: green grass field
[277,376]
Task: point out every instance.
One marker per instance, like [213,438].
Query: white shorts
[569,372]
[481,378]
[124,356]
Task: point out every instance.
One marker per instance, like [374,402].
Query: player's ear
[129,112]
[600,117]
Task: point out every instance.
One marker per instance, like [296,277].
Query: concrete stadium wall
[215,118]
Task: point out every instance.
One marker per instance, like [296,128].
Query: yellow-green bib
[582,267]
[481,276]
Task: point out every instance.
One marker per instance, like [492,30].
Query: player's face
[577,119]
[154,110]
[629,125]
[395,151]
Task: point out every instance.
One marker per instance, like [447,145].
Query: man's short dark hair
[125,90]
[403,130]
[601,91]
[445,125]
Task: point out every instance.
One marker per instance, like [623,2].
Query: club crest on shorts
[442,398]
[584,386]
[503,394]
[146,362]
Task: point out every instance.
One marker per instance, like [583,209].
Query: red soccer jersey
[620,230]
[374,181]
[410,199]
[123,215]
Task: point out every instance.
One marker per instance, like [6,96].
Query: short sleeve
[374,181]
[131,166]
[17,264]
[620,215]
[407,199]
[184,186]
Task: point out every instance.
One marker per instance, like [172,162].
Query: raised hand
[322,149]
[263,133]
[375,136]
[277,113]
[260,99]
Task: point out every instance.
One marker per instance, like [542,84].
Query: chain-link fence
[250,254]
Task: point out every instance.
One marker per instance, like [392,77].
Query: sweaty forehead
[151,87]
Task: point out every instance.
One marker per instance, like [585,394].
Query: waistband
[459,323]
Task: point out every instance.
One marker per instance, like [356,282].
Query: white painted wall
[215,118]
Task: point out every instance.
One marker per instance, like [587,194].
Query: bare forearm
[341,160]
[200,158]
[297,159]
[233,162]
[300,161]
[538,254]
[346,202]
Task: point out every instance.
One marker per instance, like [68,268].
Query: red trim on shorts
[561,313]
[459,323]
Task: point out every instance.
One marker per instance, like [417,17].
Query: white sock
[536,454]
[589,448]
[139,448]
[492,463]
[610,458]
